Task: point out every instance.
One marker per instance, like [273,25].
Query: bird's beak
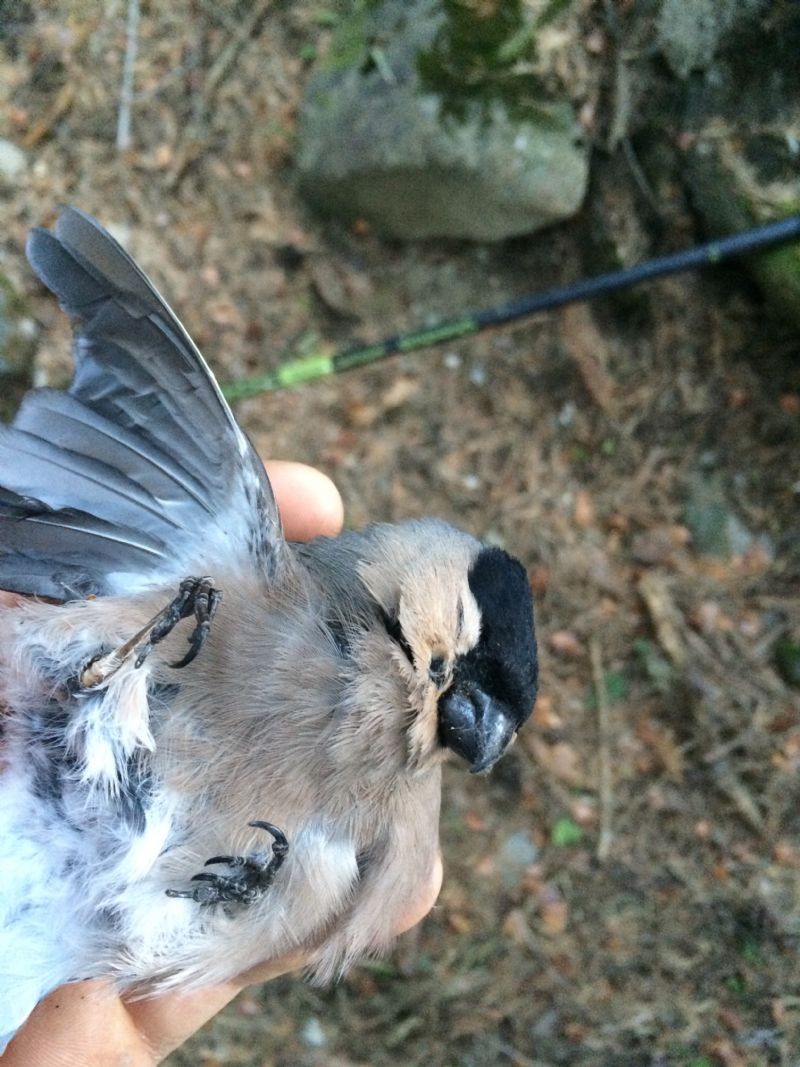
[474,726]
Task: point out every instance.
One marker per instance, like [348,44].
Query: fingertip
[417,911]
[309,502]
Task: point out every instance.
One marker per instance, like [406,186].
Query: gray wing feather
[140,473]
[87,545]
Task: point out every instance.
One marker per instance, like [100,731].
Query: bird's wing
[139,474]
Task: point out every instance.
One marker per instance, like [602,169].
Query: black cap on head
[506,651]
[494,684]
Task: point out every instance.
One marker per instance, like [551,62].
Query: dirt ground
[625,888]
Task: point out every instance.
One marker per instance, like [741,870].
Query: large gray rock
[743,168]
[739,180]
[689,32]
[374,143]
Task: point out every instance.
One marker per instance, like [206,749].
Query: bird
[218,746]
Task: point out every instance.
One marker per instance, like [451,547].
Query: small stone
[478,375]
[517,853]
[312,1033]
[566,416]
[716,530]
[12,160]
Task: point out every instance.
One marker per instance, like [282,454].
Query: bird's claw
[196,596]
[250,876]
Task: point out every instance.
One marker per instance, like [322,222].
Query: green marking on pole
[436,334]
[320,366]
[294,373]
[248,387]
[302,370]
[357,357]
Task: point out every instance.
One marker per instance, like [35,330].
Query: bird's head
[459,618]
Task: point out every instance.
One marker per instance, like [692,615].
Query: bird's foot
[196,596]
[250,876]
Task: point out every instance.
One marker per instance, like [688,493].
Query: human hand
[87,1024]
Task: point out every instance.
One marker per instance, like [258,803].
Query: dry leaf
[399,392]
[459,923]
[583,511]
[730,1019]
[515,927]
[561,760]
[660,740]
[340,288]
[565,643]
[655,545]
[786,855]
[224,313]
[725,1053]
[584,811]
[540,579]
[553,912]
[544,716]
[474,821]
[707,617]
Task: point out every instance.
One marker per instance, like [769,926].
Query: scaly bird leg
[250,876]
[196,596]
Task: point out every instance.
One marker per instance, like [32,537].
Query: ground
[624,889]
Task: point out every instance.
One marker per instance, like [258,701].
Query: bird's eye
[437,670]
[395,631]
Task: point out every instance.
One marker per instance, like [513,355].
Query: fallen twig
[191,144]
[128,70]
[605,777]
[587,349]
[230,53]
[60,106]
[664,616]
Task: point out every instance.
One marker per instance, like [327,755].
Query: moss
[484,52]
[778,274]
[349,46]
[730,199]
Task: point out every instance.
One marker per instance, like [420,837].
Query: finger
[419,908]
[309,502]
[80,1025]
[85,1024]
[168,1020]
